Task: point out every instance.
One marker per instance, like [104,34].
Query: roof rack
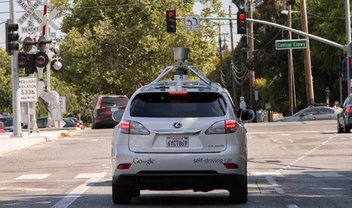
[179,80]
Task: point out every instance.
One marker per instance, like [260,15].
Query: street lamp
[291,88]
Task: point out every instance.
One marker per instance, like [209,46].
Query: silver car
[179,134]
[313,113]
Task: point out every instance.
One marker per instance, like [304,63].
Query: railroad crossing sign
[30,11]
[290,44]
[192,22]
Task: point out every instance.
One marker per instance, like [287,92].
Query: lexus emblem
[177,125]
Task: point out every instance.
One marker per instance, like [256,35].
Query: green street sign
[290,44]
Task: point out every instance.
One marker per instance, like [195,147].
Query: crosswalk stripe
[32,176]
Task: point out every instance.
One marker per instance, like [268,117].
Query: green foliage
[5,82]
[271,66]
[113,48]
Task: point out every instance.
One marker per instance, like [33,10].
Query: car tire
[94,125]
[121,194]
[346,129]
[339,128]
[239,193]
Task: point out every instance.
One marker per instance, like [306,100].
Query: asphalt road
[293,165]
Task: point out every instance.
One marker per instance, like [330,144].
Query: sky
[4,15]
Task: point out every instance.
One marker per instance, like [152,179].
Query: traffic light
[241,22]
[41,59]
[30,62]
[26,61]
[11,37]
[171,21]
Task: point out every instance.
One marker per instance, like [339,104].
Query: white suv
[179,134]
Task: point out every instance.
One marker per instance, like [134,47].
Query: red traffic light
[241,22]
[170,14]
[242,16]
[171,21]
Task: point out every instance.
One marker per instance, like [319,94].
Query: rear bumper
[180,180]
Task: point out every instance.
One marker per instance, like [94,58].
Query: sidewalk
[9,143]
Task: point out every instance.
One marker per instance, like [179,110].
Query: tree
[112,48]
[5,80]
[271,65]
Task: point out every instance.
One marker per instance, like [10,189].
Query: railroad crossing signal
[171,21]
[241,22]
[11,37]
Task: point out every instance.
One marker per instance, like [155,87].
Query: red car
[2,127]
[105,105]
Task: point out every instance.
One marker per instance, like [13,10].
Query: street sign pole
[16,110]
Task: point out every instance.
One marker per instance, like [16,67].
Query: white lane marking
[271,180]
[32,176]
[90,175]
[292,206]
[305,155]
[326,175]
[266,174]
[279,190]
[76,193]
[22,189]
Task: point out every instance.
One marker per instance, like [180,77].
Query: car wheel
[239,193]
[94,125]
[339,128]
[121,194]
[346,129]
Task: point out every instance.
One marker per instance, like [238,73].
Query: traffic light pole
[16,109]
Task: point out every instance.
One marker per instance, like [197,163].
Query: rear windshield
[114,101]
[179,106]
[7,121]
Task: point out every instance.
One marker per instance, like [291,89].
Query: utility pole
[307,61]
[250,58]
[348,42]
[16,108]
[290,65]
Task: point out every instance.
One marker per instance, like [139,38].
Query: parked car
[179,134]
[101,116]
[73,122]
[344,118]
[2,127]
[8,121]
[313,113]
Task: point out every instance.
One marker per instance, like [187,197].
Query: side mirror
[247,115]
[117,115]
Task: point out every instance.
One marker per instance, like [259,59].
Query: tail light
[99,103]
[350,110]
[133,127]
[231,165]
[124,166]
[78,125]
[222,127]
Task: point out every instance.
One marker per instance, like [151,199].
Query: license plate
[175,142]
